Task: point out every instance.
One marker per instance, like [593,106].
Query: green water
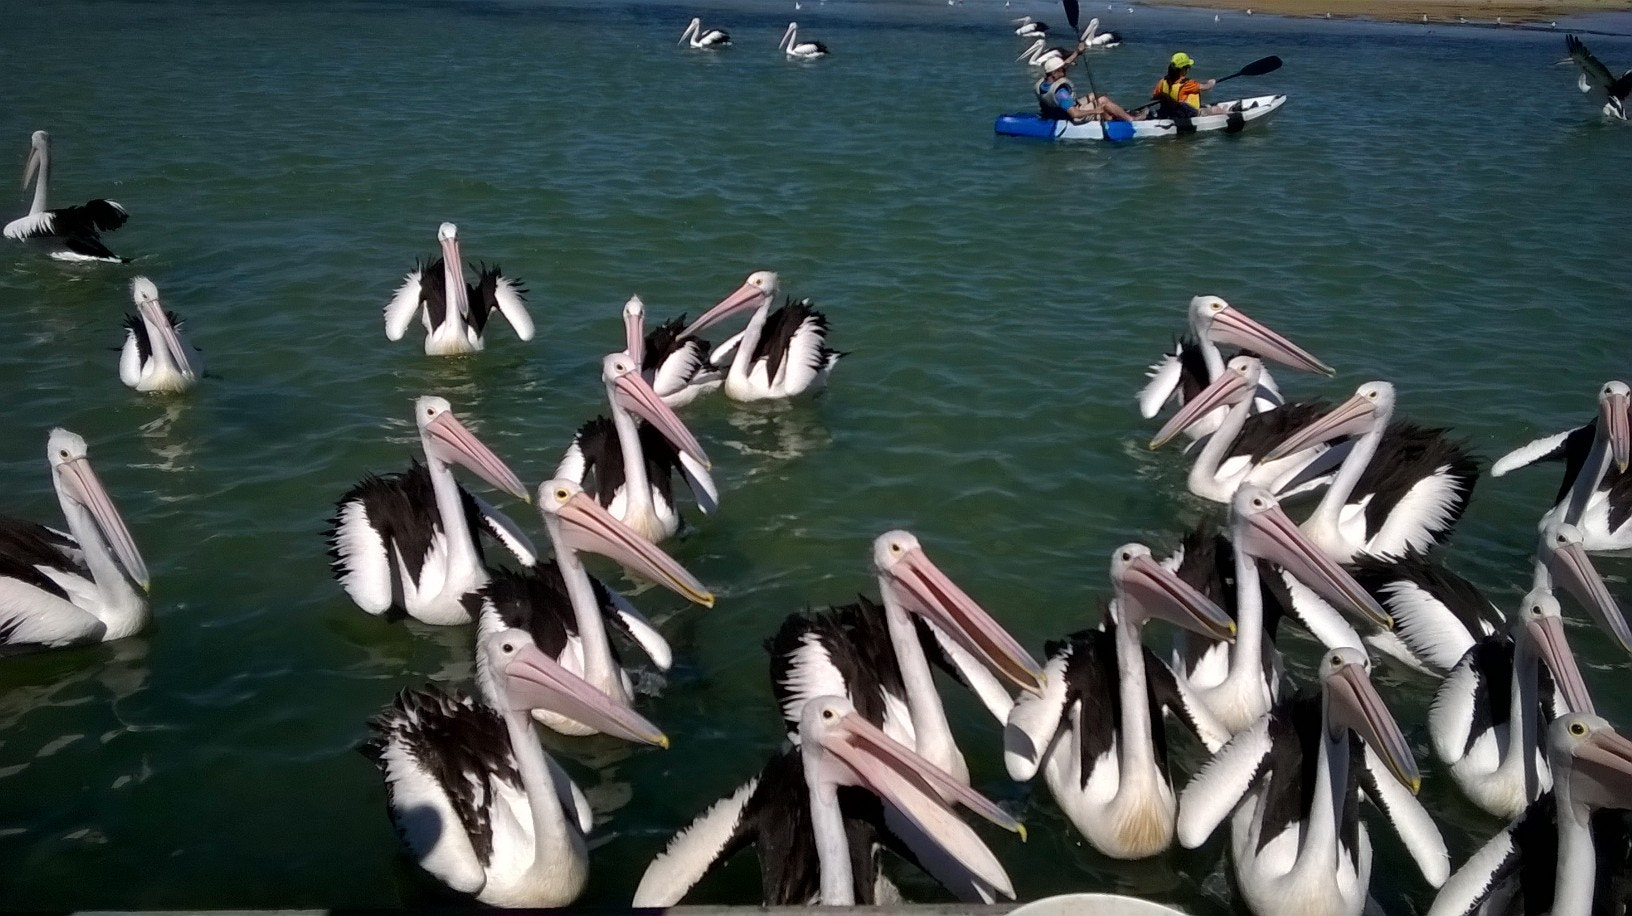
[285,163]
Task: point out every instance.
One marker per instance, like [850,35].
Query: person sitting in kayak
[1057,98]
[1179,96]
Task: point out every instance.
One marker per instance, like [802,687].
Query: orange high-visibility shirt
[1187,91]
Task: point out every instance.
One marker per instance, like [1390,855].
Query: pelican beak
[1569,564]
[930,593]
[1272,536]
[636,395]
[1227,389]
[82,485]
[1350,418]
[857,753]
[1601,774]
[163,334]
[1613,410]
[458,444]
[1352,702]
[536,681]
[32,167]
[1035,47]
[634,331]
[1232,326]
[1548,635]
[1146,589]
[453,272]
[747,297]
[587,527]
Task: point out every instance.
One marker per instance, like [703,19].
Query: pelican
[1096,729]
[1029,27]
[675,364]
[454,312]
[1611,91]
[710,39]
[814,830]
[1235,452]
[567,611]
[476,800]
[628,466]
[1384,502]
[1301,848]
[155,356]
[78,229]
[799,50]
[408,540]
[1489,713]
[1231,679]
[1097,40]
[1039,51]
[89,585]
[1196,360]
[778,355]
[1594,497]
[1566,854]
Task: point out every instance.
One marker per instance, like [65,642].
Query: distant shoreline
[1480,11]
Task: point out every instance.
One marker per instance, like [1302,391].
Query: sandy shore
[1509,11]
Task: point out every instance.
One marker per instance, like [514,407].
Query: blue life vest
[1047,100]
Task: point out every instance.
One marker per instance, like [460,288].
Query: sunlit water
[1438,207]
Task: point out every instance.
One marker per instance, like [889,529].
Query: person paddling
[1179,96]
[1057,99]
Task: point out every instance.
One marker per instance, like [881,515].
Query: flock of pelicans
[871,761]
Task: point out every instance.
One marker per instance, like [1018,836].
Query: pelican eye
[63,453]
[1578,729]
[827,714]
[507,647]
[1337,659]
[1127,556]
[1258,501]
[561,494]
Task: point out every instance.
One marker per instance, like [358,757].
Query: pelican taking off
[710,39]
[155,356]
[1596,80]
[779,354]
[476,800]
[408,540]
[454,312]
[89,585]
[799,50]
[78,229]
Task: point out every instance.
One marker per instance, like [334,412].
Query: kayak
[1242,112]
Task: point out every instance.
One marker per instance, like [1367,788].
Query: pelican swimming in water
[408,541]
[1566,855]
[673,362]
[455,313]
[567,611]
[1027,27]
[155,356]
[89,585]
[813,813]
[1596,493]
[1040,51]
[1196,361]
[799,50]
[1406,491]
[1293,781]
[709,39]
[1096,730]
[475,798]
[1609,90]
[1489,717]
[628,463]
[780,354]
[77,229]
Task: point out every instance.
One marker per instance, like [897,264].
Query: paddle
[1258,67]
[1110,129]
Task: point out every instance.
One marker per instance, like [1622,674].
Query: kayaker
[1057,99]
[1179,96]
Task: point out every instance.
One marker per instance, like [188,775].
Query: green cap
[1182,59]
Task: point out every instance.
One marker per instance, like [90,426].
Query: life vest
[1184,91]
[1047,90]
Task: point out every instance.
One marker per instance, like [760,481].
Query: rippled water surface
[1435,206]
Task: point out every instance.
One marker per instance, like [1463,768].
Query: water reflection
[171,448]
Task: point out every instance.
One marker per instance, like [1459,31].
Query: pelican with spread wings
[1596,80]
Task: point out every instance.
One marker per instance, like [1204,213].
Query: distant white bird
[711,39]
[1029,27]
[800,50]
[155,356]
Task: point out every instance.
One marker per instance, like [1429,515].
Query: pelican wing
[722,354]
[571,797]
[404,305]
[643,632]
[495,291]
[500,526]
[1596,74]
[31,226]
[1490,873]
[701,483]
[34,616]
[360,556]
[1034,720]
[807,353]
[1164,380]
[1547,448]
[962,664]
[1461,702]
[727,826]
[1317,616]
[1219,787]
[1177,698]
[1409,819]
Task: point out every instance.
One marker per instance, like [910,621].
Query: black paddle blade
[1071,17]
[1259,67]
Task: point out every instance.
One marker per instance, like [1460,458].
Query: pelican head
[908,576]
[634,330]
[1222,323]
[39,152]
[1352,703]
[1145,590]
[1614,403]
[1542,623]
[692,29]
[1262,529]
[1238,382]
[628,390]
[1371,408]
[756,291]
[514,671]
[448,441]
[1564,559]
[576,520]
[82,495]
[1594,760]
